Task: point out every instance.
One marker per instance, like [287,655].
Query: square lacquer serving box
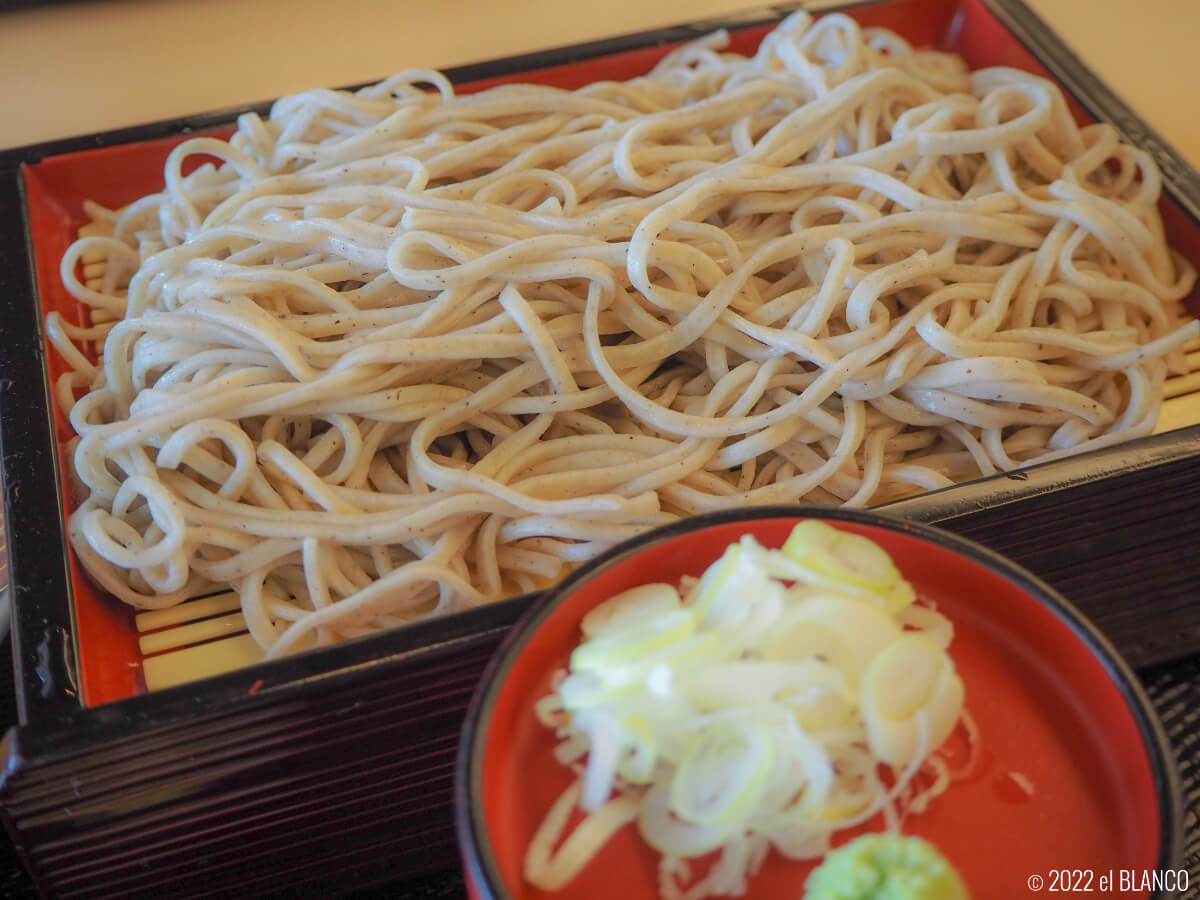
[332,768]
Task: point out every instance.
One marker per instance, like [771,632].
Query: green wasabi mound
[885,867]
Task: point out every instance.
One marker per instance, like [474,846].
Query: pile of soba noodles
[403,352]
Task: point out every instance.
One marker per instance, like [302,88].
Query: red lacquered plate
[1057,712]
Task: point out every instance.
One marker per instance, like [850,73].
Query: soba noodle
[403,352]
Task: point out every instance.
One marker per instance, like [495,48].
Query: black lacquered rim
[474,844]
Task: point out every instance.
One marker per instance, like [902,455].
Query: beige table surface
[78,68]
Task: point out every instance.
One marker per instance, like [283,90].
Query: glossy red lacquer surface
[1046,708]
[57,187]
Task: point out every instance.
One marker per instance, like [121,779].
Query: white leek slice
[729,587]
[617,647]
[672,836]
[762,610]
[801,778]
[913,678]
[551,871]
[931,623]
[671,725]
[649,673]
[604,740]
[582,690]
[847,560]
[640,751]
[723,773]
[629,606]
[714,583]
[846,630]
[899,597]
[802,686]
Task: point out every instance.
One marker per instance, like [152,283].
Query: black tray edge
[42,632]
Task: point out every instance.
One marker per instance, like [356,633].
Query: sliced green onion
[639,755]
[604,739]
[729,587]
[672,836]
[618,647]
[752,683]
[912,676]
[929,622]
[757,711]
[847,630]
[627,607]
[723,772]
[848,561]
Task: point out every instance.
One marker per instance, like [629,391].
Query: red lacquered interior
[57,188]
[1045,705]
